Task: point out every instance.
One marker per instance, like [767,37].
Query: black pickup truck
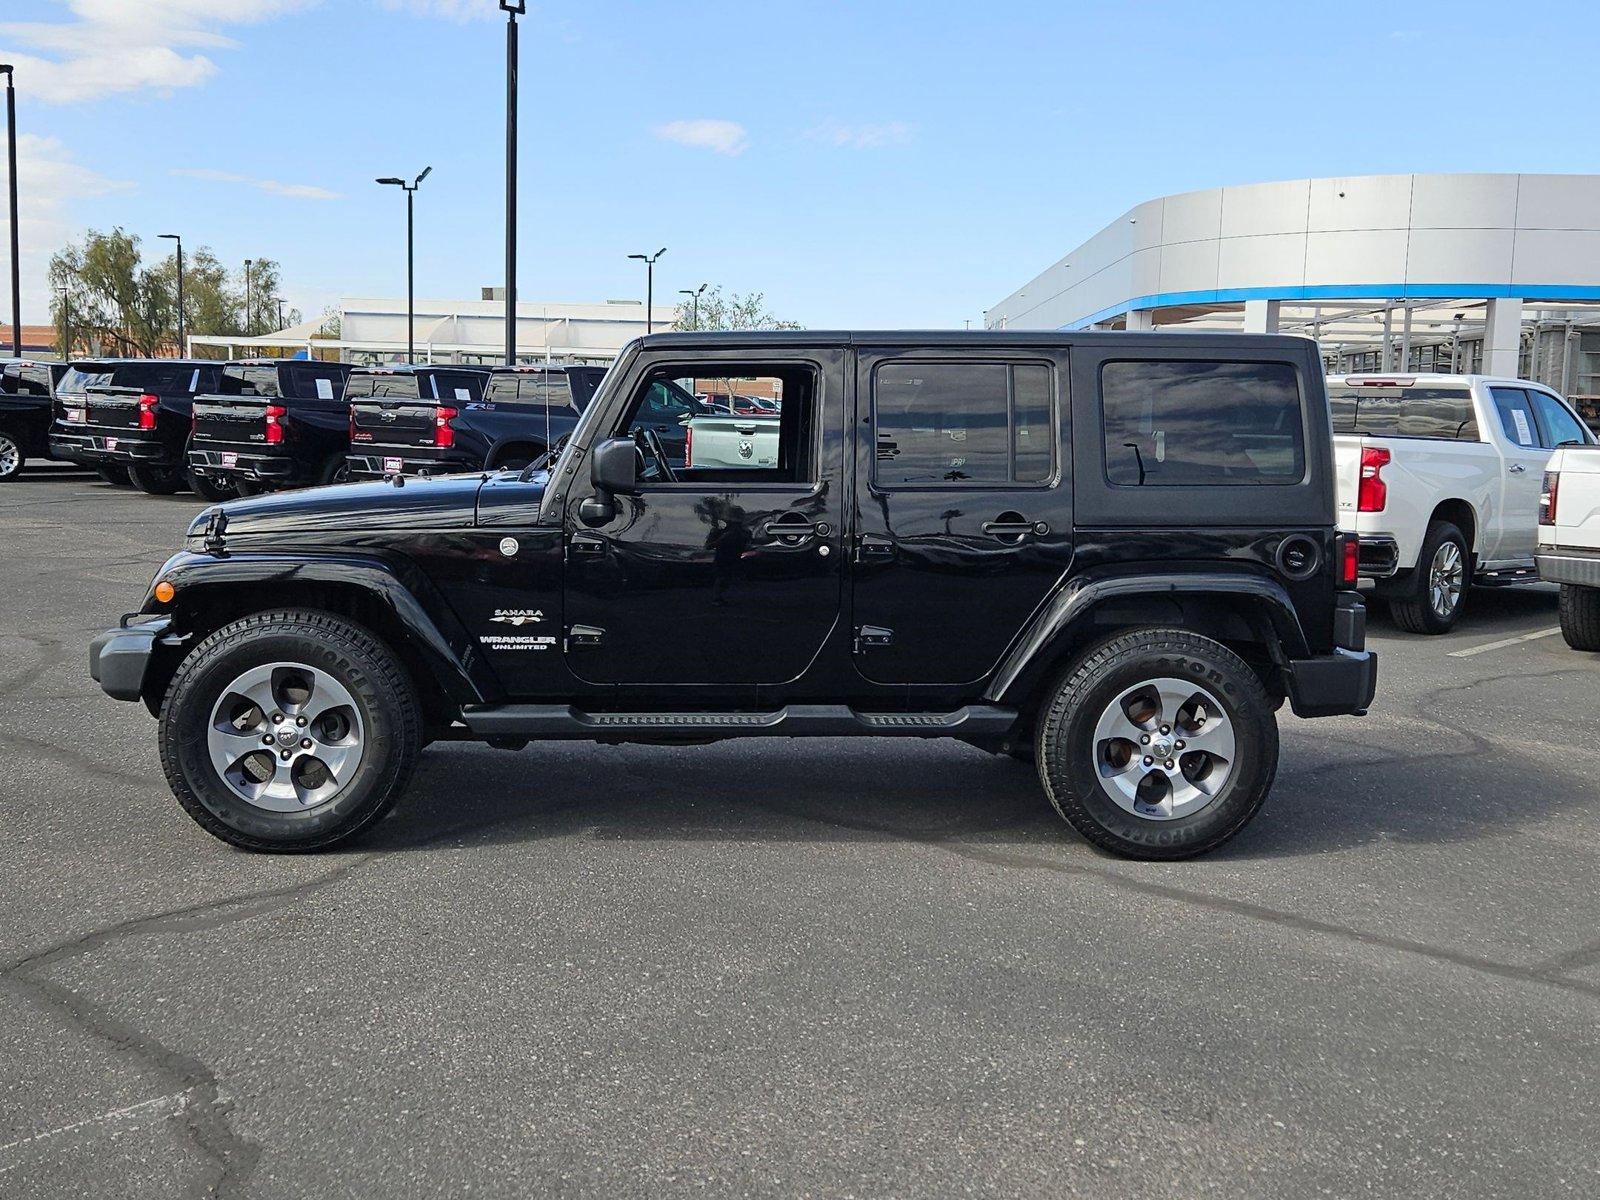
[132,414]
[1113,554]
[441,420]
[276,423]
[27,391]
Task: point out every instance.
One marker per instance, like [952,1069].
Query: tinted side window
[1418,412]
[460,387]
[79,379]
[1194,422]
[533,388]
[959,422]
[1516,415]
[156,377]
[250,381]
[319,381]
[1557,424]
[25,381]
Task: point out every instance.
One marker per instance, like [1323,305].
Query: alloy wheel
[1164,749]
[286,737]
[1446,576]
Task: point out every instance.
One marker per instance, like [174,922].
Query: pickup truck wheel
[289,731]
[157,481]
[11,458]
[115,476]
[1438,584]
[1580,616]
[1158,744]
[207,489]
[335,470]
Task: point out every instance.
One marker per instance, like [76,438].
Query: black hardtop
[970,339]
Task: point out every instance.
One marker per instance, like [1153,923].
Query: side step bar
[794,720]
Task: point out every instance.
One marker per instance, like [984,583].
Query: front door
[724,576]
[964,523]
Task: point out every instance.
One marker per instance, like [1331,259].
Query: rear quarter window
[1176,422]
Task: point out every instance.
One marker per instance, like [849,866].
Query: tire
[1422,609]
[12,459]
[251,487]
[370,731]
[336,470]
[157,481]
[115,476]
[205,488]
[1580,616]
[1128,684]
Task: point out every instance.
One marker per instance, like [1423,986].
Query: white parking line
[1504,642]
[159,1106]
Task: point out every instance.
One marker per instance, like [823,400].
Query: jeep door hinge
[584,635]
[868,636]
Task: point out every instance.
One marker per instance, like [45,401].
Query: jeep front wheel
[289,731]
[1158,744]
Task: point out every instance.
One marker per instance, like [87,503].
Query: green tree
[732,311]
[113,299]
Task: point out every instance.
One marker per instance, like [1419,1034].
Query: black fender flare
[437,636]
[1034,651]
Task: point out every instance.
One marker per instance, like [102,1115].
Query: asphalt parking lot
[826,969]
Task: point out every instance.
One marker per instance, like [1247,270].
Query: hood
[440,502]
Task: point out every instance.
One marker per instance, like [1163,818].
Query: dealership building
[1498,274]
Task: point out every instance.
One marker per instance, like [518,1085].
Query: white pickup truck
[726,442]
[1439,477]
[1569,540]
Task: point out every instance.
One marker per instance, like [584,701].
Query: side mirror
[614,466]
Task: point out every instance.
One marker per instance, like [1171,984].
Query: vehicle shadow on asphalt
[1488,610]
[1344,794]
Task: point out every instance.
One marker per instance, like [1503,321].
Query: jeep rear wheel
[289,731]
[1158,744]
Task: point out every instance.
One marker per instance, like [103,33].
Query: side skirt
[975,722]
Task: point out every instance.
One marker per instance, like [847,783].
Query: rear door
[1524,457]
[963,514]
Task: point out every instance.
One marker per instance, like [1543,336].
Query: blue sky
[870,164]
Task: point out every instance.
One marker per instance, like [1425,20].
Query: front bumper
[242,464]
[95,446]
[1578,567]
[119,658]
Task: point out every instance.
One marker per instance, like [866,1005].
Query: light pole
[410,190]
[248,312]
[513,9]
[649,261]
[694,302]
[16,266]
[182,344]
[280,312]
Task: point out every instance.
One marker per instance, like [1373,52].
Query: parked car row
[240,428]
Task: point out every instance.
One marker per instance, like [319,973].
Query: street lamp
[16,266]
[182,344]
[649,261]
[248,311]
[694,301]
[513,9]
[66,323]
[411,302]
[280,312]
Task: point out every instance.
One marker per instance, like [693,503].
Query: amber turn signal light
[165,592]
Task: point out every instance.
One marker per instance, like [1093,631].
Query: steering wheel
[649,443]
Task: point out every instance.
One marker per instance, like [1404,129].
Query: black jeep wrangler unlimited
[1111,553]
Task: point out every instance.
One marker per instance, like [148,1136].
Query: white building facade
[1386,271]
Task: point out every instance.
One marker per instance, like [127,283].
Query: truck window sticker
[324,389]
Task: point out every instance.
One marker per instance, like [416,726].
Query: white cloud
[723,137]
[460,11]
[109,47]
[294,191]
[863,137]
[48,180]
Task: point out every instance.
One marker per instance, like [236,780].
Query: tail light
[1547,498]
[444,433]
[147,410]
[1374,492]
[352,423]
[275,415]
[1349,559]
[688,445]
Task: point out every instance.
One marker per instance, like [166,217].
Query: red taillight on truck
[1374,492]
[444,433]
[147,410]
[1547,497]
[275,415]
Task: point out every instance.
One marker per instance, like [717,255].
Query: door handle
[1003,529]
[1516,468]
[792,529]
